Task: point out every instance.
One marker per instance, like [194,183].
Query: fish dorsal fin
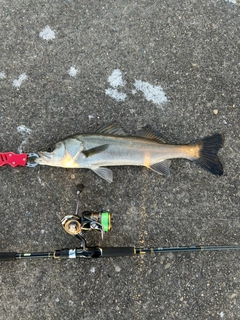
[148,133]
[113,128]
[95,150]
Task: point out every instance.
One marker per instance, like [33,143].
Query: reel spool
[90,221]
[103,218]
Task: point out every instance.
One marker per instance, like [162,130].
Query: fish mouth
[44,157]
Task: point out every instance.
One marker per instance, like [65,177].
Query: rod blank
[96,252]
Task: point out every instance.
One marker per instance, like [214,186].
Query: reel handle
[80,187]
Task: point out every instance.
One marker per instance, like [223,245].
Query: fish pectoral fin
[95,150]
[162,167]
[104,173]
[113,129]
[148,133]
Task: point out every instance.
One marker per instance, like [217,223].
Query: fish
[111,146]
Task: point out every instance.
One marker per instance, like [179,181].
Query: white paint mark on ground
[40,181]
[134,91]
[90,117]
[151,93]
[72,72]
[2,75]
[20,148]
[117,269]
[47,34]
[115,79]
[222,314]
[23,130]
[232,1]
[17,82]
[115,94]
[92,270]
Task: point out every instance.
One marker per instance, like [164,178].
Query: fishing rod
[101,222]
[97,252]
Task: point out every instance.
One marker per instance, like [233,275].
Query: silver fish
[110,146]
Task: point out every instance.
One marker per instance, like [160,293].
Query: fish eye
[50,149]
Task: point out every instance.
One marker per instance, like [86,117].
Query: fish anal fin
[95,150]
[104,173]
[148,133]
[113,129]
[162,167]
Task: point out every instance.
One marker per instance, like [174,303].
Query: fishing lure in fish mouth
[111,146]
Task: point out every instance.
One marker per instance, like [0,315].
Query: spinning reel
[78,224]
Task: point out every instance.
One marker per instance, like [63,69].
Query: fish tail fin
[207,153]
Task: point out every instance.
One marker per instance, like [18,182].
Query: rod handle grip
[117,251]
[7,256]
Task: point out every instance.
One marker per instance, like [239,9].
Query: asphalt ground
[54,81]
